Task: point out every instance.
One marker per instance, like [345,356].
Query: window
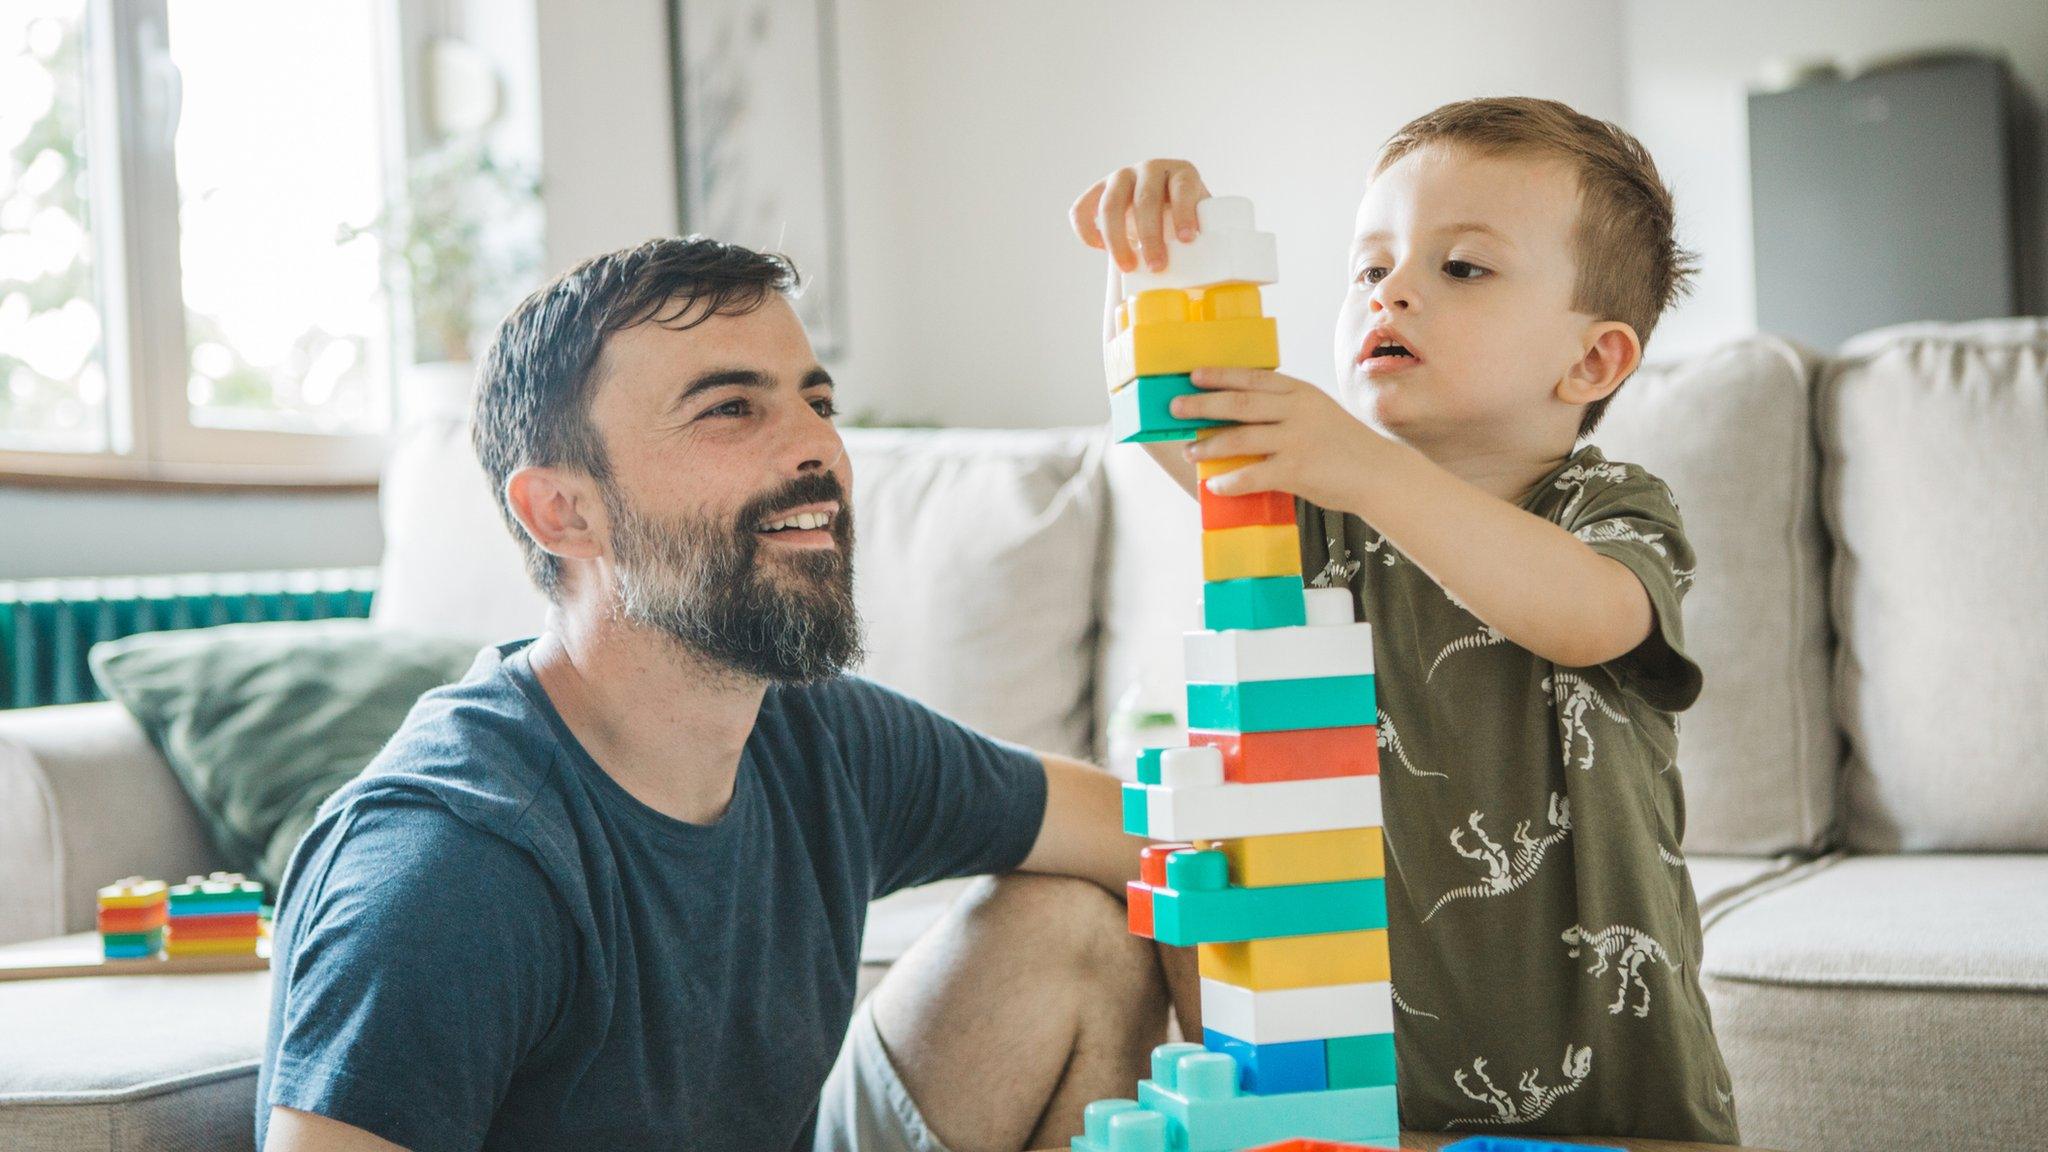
[187,287]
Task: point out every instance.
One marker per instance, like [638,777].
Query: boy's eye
[1372,275]
[1461,270]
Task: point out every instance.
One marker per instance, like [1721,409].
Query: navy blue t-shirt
[485,942]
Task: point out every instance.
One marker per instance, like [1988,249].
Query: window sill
[104,474]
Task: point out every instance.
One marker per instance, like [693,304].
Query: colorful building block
[1305,858]
[1120,1126]
[1266,602]
[1141,412]
[242,946]
[1322,1146]
[1251,552]
[1292,753]
[1197,1090]
[1519,1144]
[1227,811]
[1360,1061]
[133,892]
[1220,512]
[225,926]
[128,920]
[132,945]
[131,916]
[1279,705]
[1298,961]
[1197,905]
[1287,1014]
[217,893]
[1329,607]
[1227,248]
[1278,653]
[1270,1069]
[1172,331]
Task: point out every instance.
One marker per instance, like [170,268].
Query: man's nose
[817,443]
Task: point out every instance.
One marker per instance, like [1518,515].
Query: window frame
[132,109]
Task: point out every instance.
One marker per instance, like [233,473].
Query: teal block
[1197,1092]
[1120,1126]
[1136,821]
[1360,1061]
[1142,411]
[1197,906]
[1283,705]
[1148,765]
[216,903]
[1254,602]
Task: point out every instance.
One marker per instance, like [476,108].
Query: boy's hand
[1134,204]
[1313,448]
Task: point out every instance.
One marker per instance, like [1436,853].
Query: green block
[1198,907]
[152,939]
[1142,411]
[1360,1061]
[1253,602]
[1136,822]
[1283,705]
[1148,765]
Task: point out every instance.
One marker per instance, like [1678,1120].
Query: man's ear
[1611,353]
[560,508]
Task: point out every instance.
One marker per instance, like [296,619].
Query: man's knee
[1065,919]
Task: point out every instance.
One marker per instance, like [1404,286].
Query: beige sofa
[1867,792]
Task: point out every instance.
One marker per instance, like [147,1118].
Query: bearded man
[607,892]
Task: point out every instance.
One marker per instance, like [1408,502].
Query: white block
[1226,249]
[1195,766]
[1241,654]
[1327,606]
[1230,811]
[1286,1015]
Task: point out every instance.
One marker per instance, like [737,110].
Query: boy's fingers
[1184,189]
[1236,407]
[1245,481]
[1239,379]
[1082,216]
[1112,216]
[1149,211]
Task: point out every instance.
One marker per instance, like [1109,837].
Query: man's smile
[808,526]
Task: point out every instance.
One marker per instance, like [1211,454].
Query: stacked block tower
[132,916]
[216,916]
[1272,864]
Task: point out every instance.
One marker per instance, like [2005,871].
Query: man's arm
[294,1131]
[1082,835]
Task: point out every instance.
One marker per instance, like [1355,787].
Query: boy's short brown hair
[1630,265]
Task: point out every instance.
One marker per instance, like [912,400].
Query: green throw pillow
[261,722]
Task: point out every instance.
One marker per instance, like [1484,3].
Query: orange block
[1152,862]
[142,919]
[228,926]
[1300,754]
[1259,508]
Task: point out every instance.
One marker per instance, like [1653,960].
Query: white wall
[1688,68]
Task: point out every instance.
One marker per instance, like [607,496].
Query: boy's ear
[1611,353]
[560,509]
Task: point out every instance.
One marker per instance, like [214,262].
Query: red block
[1139,896]
[1152,862]
[1219,512]
[226,926]
[1302,754]
[123,920]
[1299,1145]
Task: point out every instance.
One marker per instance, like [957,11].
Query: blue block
[129,951]
[1142,411]
[1270,1069]
[1136,820]
[1254,602]
[1283,705]
[1517,1144]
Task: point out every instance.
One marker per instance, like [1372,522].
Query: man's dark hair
[534,386]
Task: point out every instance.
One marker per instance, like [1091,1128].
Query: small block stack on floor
[132,915]
[1274,862]
[216,916]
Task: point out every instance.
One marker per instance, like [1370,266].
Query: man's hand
[1312,447]
[1126,211]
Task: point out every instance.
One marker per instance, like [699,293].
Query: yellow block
[1299,961]
[235,946]
[134,892]
[1254,550]
[1304,857]
[1170,331]
[1207,468]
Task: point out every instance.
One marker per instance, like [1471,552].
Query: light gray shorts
[864,1106]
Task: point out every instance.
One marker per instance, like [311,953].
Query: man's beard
[702,583]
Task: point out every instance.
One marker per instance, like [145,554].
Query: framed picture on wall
[757,140]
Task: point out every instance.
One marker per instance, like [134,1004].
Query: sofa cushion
[1935,439]
[1886,1002]
[1730,432]
[131,1063]
[1152,586]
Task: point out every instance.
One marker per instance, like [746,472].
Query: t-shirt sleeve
[1634,519]
[942,800]
[424,964]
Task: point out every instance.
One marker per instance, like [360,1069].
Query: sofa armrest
[85,799]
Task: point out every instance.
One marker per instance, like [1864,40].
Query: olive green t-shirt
[1545,937]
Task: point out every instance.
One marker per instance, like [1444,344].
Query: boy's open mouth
[1385,350]
[1389,348]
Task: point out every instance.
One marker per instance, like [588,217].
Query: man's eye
[1461,270]
[729,408]
[1372,274]
[825,407]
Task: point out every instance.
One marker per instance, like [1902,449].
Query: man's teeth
[800,520]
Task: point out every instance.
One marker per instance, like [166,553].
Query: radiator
[48,626]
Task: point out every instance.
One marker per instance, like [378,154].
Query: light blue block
[1142,411]
[1198,907]
[1197,1091]
[1271,1069]
[1254,602]
[1283,705]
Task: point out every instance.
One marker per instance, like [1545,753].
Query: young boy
[1510,257]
